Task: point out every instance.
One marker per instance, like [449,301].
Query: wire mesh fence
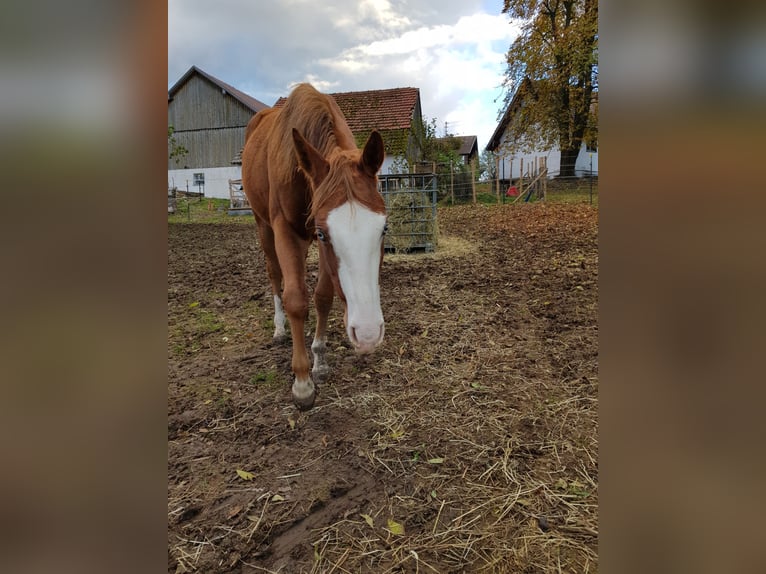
[582,189]
[411,201]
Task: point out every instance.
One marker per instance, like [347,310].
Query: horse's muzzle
[366,338]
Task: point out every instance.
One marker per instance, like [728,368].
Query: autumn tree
[554,61]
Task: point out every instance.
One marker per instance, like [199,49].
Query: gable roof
[467,144]
[526,88]
[510,110]
[248,101]
[390,109]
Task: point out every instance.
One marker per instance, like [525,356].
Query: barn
[466,147]
[208,117]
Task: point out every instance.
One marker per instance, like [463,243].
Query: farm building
[209,118]
[395,113]
[510,159]
[467,147]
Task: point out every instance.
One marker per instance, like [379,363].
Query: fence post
[434,197]
[497,175]
[451,182]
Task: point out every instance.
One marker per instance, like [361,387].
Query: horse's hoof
[320,375]
[304,403]
[278,339]
[304,394]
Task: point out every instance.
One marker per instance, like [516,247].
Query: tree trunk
[568,160]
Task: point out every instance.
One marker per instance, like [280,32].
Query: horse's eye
[320,235]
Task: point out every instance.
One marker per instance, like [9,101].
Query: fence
[411,207]
[238,203]
[535,183]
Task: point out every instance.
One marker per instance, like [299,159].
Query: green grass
[205,210]
[573,196]
[208,322]
[268,378]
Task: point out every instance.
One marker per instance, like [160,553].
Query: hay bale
[411,221]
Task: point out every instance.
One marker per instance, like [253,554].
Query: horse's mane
[321,122]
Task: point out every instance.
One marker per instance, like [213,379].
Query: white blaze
[356,233]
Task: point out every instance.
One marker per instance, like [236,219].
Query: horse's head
[350,219]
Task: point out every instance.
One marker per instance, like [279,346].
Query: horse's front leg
[323,295]
[274,271]
[295,300]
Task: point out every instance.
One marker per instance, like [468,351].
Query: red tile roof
[390,109]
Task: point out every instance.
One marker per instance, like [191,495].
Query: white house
[510,162]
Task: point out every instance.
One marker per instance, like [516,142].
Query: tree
[175,150]
[438,153]
[555,60]
[487,165]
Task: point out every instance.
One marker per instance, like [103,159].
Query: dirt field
[467,443]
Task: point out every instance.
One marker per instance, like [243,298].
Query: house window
[199,179]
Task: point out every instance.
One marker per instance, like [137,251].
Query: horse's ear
[373,154]
[310,160]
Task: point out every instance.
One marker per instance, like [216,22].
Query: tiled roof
[249,101]
[390,109]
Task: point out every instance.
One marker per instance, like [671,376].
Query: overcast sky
[453,50]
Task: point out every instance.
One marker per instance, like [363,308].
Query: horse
[306,179]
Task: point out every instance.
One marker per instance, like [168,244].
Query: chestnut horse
[305,177]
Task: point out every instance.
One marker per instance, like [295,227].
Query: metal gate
[411,207]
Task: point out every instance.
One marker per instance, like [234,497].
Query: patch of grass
[205,210]
[269,378]
[207,321]
[486,198]
[576,196]
[582,190]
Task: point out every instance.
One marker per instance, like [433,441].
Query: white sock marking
[279,318]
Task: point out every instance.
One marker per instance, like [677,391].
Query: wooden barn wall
[208,123]
[209,148]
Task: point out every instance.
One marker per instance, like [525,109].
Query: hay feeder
[411,209]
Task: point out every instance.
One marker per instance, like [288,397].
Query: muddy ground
[467,443]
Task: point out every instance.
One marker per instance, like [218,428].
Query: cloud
[453,51]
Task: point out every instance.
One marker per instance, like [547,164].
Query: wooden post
[521,176]
[451,182]
[473,181]
[499,197]
[537,173]
[497,175]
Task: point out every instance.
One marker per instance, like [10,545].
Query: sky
[452,50]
